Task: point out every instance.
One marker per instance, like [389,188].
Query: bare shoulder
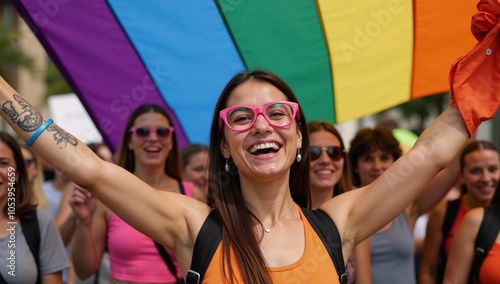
[439,210]
[473,219]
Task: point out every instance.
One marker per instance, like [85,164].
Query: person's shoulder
[473,218]
[439,210]
[43,215]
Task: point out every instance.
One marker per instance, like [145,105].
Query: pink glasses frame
[256,111]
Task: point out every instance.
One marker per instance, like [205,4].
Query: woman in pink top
[148,150]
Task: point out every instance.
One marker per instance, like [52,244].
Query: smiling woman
[21,222]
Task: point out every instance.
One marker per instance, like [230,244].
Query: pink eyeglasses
[241,118]
[143,131]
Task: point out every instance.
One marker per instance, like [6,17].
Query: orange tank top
[489,273]
[315,265]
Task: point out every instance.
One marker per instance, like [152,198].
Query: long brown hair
[126,157]
[345,183]
[24,203]
[225,189]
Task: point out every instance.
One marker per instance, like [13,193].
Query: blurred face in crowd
[481,173]
[372,165]
[325,171]
[196,170]
[30,162]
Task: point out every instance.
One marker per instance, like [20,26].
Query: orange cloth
[475,77]
[315,265]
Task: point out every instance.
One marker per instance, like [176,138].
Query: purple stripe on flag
[96,58]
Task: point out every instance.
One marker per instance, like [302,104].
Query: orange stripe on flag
[442,34]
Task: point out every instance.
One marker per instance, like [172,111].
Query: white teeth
[273,146]
[153,149]
[324,172]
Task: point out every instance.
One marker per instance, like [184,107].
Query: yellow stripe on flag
[371,49]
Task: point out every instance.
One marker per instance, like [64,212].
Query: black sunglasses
[143,132]
[335,153]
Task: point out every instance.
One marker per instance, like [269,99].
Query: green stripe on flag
[286,38]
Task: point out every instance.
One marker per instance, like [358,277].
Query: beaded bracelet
[38,132]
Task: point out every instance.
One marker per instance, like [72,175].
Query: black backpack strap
[31,232]
[205,246]
[329,235]
[181,187]
[168,261]
[488,232]
[450,215]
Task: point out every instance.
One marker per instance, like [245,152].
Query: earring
[226,167]
[299,157]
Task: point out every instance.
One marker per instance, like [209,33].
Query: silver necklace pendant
[267,229]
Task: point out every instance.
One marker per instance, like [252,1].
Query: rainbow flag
[343,59]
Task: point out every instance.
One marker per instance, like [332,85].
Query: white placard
[68,112]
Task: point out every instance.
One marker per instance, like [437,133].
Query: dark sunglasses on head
[335,153]
[143,131]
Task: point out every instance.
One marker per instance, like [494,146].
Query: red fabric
[475,77]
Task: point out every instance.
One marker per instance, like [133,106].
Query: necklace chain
[268,229]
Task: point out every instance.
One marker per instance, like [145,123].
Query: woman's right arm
[122,192]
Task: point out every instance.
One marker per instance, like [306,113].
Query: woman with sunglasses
[149,150]
[374,151]
[331,176]
[259,181]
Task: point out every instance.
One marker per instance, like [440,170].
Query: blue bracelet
[38,132]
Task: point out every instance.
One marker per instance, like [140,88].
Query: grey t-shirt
[20,267]
[392,254]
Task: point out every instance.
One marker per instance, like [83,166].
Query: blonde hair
[39,198]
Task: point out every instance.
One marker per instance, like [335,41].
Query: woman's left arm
[462,248]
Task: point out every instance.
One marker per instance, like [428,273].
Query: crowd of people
[273,198]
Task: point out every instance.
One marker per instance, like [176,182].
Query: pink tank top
[134,256]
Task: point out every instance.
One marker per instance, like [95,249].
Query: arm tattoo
[29,119]
[62,137]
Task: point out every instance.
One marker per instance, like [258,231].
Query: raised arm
[160,215]
[90,234]
[435,190]
[362,212]
[65,219]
